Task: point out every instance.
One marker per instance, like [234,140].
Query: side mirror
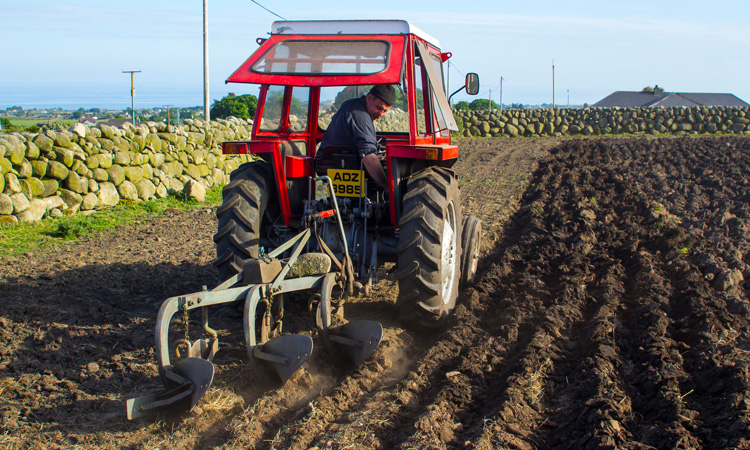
[472,83]
[471,86]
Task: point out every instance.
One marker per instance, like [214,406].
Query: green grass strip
[26,237]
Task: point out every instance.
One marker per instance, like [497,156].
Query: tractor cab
[307,69]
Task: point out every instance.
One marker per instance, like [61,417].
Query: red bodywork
[390,75]
[430,144]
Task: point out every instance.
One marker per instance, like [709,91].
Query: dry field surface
[611,311]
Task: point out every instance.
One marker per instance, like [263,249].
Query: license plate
[347,183]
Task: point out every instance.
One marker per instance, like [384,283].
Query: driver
[352,126]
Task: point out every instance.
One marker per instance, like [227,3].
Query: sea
[112,99]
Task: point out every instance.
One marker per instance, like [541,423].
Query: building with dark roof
[657,98]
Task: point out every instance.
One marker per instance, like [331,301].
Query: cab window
[307,57]
[396,120]
[271,119]
[299,109]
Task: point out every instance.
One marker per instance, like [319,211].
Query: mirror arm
[459,90]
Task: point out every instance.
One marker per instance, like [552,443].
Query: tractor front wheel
[471,240]
[429,249]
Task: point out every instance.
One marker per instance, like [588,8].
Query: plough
[260,286]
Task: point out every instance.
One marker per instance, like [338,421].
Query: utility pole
[568,98]
[167,113]
[448,84]
[132,91]
[501,93]
[206,114]
[490,100]
[553,84]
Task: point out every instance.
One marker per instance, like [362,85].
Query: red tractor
[301,221]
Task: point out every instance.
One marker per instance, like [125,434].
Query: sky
[72,53]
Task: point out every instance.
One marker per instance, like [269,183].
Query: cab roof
[354,27]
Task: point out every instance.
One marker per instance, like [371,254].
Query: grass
[26,237]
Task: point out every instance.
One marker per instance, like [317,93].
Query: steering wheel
[381,146]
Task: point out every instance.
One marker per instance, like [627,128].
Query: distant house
[629,99]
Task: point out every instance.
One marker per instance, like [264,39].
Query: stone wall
[598,121]
[56,173]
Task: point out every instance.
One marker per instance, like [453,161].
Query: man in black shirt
[352,126]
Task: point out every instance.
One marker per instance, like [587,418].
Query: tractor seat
[336,157]
[296,187]
[347,158]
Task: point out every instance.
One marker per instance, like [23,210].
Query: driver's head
[379,100]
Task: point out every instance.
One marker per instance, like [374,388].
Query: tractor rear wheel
[240,215]
[429,248]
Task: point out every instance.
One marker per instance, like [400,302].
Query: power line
[456,68]
[491,88]
[282,18]
[495,86]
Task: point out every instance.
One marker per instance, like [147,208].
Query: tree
[6,125]
[242,107]
[653,90]
[462,105]
[187,113]
[482,103]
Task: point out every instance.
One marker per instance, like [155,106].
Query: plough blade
[285,354]
[356,340]
[204,349]
[193,377]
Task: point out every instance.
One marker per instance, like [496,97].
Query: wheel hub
[448,255]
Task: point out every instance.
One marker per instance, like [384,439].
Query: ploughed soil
[611,311]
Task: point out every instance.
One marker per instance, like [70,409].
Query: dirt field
[611,311]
